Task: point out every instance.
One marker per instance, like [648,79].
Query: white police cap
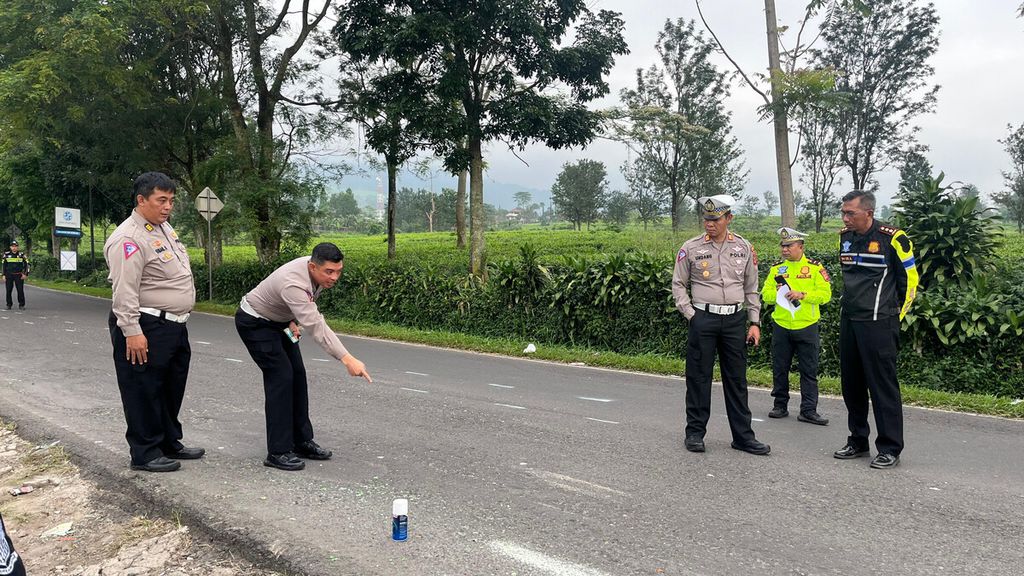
[715,207]
[788,236]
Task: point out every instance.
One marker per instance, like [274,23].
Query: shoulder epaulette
[844,230]
[813,261]
[888,230]
[779,263]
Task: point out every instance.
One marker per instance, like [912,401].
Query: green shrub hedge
[967,340]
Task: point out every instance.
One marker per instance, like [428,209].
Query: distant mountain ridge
[500,194]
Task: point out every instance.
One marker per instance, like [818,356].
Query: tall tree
[915,168]
[1012,199]
[648,201]
[523,199]
[580,191]
[882,62]
[259,45]
[789,85]
[677,122]
[503,61]
[820,160]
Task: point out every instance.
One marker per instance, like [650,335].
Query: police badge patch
[130,248]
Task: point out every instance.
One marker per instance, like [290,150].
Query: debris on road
[530,348]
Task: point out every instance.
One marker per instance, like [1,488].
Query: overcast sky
[979,65]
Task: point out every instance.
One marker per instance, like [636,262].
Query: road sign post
[208,206]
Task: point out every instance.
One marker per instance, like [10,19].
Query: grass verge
[648,363]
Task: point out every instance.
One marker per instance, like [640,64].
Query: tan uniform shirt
[289,294]
[706,273]
[149,268]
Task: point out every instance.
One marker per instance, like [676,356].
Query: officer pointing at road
[15,269]
[153,296]
[270,320]
[715,288]
[807,286]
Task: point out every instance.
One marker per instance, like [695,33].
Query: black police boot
[187,453]
[312,451]
[813,418]
[778,412]
[694,443]
[286,461]
[850,451]
[753,447]
[158,464]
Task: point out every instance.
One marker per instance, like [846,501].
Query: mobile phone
[291,336]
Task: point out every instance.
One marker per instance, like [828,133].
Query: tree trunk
[477,246]
[460,210]
[392,201]
[779,120]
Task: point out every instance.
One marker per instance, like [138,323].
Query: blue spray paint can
[400,519]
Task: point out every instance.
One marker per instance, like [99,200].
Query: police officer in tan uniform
[271,319]
[153,296]
[715,288]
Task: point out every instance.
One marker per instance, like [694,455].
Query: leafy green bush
[954,239]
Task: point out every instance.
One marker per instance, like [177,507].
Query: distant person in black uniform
[10,562]
[15,267]
[879,283]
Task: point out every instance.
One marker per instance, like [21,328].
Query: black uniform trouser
[712,334]
[15,280]
[805,343]
[867,357]
[151,393]
[284,381]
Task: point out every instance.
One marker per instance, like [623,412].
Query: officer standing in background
[715,288]
[15,269]
[270,320]
[879,283]
[809,286]
[153,296]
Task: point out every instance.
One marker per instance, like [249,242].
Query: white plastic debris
[530,348]
[1017,401]
[59,530]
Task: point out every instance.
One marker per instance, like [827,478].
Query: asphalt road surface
[522,467]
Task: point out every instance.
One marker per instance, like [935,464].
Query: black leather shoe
[187,453]
[883,461]
[694,443]
[286,461]
[158,464]
[850,451]
[313,451]
[753,447]
[813,418]
[778,412]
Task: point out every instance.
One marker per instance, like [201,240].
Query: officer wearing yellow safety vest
[15,269]
[806,285]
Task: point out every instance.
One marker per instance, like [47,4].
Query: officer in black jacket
[15,269]
[10,562]
[879,283]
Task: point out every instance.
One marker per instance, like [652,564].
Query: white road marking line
[232,360]
[320,360]
[69,329]
[599,420]
[576,485]
[510,406]
[416,373]
[27,322]
[201,342]
[501,385]
[415,390]
[594,399]
[543,562]
[757,419]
